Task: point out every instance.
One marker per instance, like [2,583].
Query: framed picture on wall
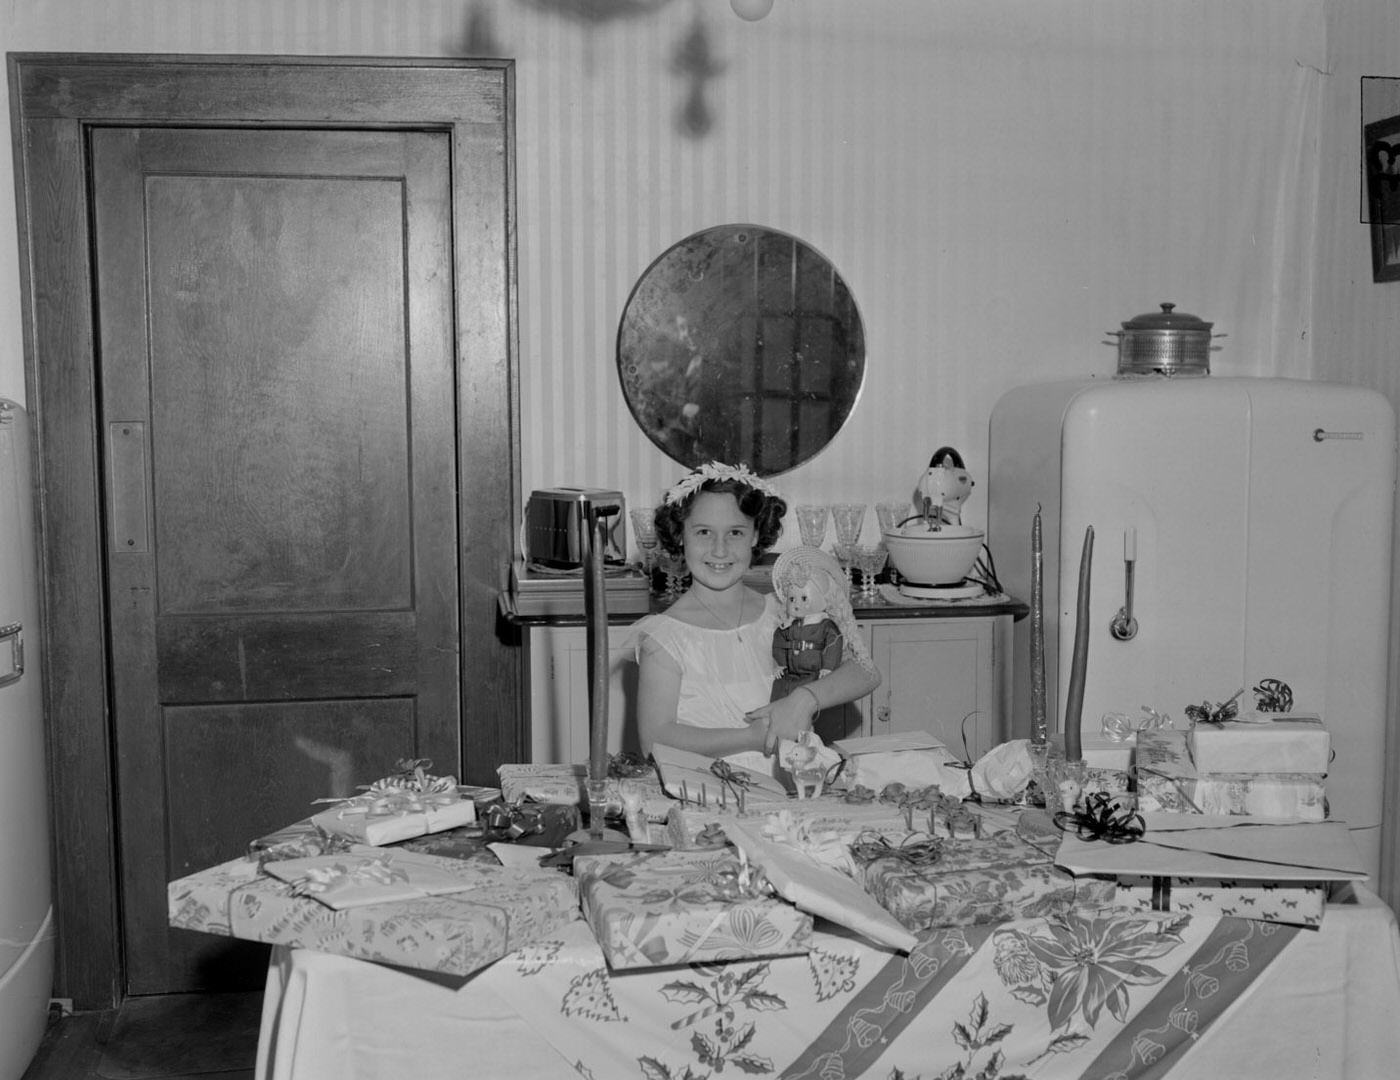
[1382,149]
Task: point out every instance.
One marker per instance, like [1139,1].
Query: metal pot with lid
[1166,342]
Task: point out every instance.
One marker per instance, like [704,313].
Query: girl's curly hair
[766,510]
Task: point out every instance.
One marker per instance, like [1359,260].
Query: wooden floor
[171,1037]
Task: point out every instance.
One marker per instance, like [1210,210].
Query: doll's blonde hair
[798,566]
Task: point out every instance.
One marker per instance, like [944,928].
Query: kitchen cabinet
[947,676]
[946,670]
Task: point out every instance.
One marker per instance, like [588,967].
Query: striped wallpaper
[999,181]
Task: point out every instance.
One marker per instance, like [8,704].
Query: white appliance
[26,912]
[1260,512]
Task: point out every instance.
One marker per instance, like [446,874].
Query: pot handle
[946,451]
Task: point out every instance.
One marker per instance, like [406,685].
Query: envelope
[1216,846]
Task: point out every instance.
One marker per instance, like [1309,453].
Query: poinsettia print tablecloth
[1117,995]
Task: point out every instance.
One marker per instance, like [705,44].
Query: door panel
[275,341]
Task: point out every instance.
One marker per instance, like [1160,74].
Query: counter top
[866,608]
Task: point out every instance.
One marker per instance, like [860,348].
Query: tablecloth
[1127,994]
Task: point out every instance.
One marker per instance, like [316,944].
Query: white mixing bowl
[934,558]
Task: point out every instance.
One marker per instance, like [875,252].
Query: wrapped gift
[298,841]
[1169,781]
[677,907]
[915,759]
[381,816]
[1296,902]
[532,824]
[568,785]
[692,826]
[456,934]
[407,804]
[1262,743]
[990,879]
[368,875]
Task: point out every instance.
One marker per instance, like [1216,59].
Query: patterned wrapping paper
[676,907]
[987,880]
[689,826]
[546,783]
[300,840]
[456,934]
[1298,903]
[1169,782]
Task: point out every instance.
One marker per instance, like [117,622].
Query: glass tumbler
[811,523]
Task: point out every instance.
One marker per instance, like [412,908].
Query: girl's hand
[787,717]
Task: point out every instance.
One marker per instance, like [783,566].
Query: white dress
[724,673]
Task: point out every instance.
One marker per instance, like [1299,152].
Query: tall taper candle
[1079,662]
[1037,633]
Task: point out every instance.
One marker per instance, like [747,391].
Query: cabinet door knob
[882,714]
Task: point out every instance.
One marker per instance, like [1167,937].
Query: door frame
[56,98]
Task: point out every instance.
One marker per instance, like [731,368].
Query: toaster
[556,524]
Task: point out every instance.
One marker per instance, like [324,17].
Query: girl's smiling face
[718,540]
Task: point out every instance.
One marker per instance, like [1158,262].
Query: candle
[1037,633]
[1130,544]
[1079,662]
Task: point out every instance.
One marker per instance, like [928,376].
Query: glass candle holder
[1066,788]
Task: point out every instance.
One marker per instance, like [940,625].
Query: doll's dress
[724,673]
[802,651]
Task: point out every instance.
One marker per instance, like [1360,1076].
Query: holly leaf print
[684,993]
[762,1001]
[653,1069]
[752,1064]
[704,1048]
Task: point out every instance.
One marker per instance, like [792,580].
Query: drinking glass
[676,573]
[848,518]
[811,523]
[889,515]
[869,560]
[644,528]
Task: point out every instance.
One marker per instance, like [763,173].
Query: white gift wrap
[358,819]
[1270,744]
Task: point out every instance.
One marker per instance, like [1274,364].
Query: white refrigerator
[1259,512]
[26,912]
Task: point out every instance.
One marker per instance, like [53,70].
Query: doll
[818,627]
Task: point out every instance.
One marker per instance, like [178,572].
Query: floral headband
[714,470]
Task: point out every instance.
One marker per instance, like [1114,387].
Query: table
[1139,995]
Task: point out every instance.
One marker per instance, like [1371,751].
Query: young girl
[706,664]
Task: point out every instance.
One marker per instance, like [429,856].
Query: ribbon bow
[1119,727]
[1103,819]
[914,850]
[736,782]
[320,879]
[1205,713]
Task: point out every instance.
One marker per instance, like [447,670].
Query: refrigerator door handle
[1124,627]
[13,632]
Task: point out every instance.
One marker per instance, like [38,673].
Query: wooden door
[275,361]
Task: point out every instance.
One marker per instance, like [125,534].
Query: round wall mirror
[741,344]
